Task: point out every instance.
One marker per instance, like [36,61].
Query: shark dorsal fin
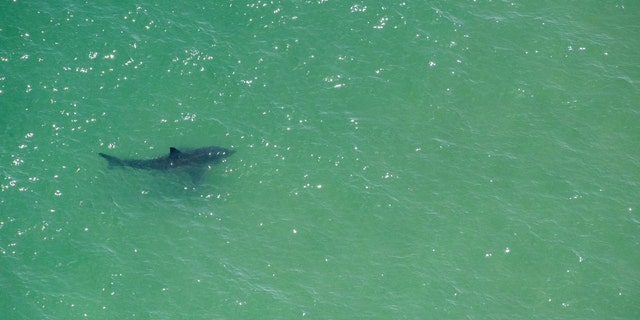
[174,153]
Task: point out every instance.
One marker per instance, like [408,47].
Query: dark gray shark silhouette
[195,161]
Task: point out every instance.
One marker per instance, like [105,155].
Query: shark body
[195,161]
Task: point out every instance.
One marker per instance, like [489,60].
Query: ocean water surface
[394,160]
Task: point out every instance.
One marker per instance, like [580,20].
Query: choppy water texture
[394,160]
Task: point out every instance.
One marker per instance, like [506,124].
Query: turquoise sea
[468,159]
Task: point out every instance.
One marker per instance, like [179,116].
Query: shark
[193,161]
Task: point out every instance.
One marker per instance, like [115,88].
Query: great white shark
[194,161]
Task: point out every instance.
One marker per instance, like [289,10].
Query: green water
[394,160]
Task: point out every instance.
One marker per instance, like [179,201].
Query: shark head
[200,156]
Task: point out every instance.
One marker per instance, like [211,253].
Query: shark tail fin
[113,161]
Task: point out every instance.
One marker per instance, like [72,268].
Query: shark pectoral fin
[196,173]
